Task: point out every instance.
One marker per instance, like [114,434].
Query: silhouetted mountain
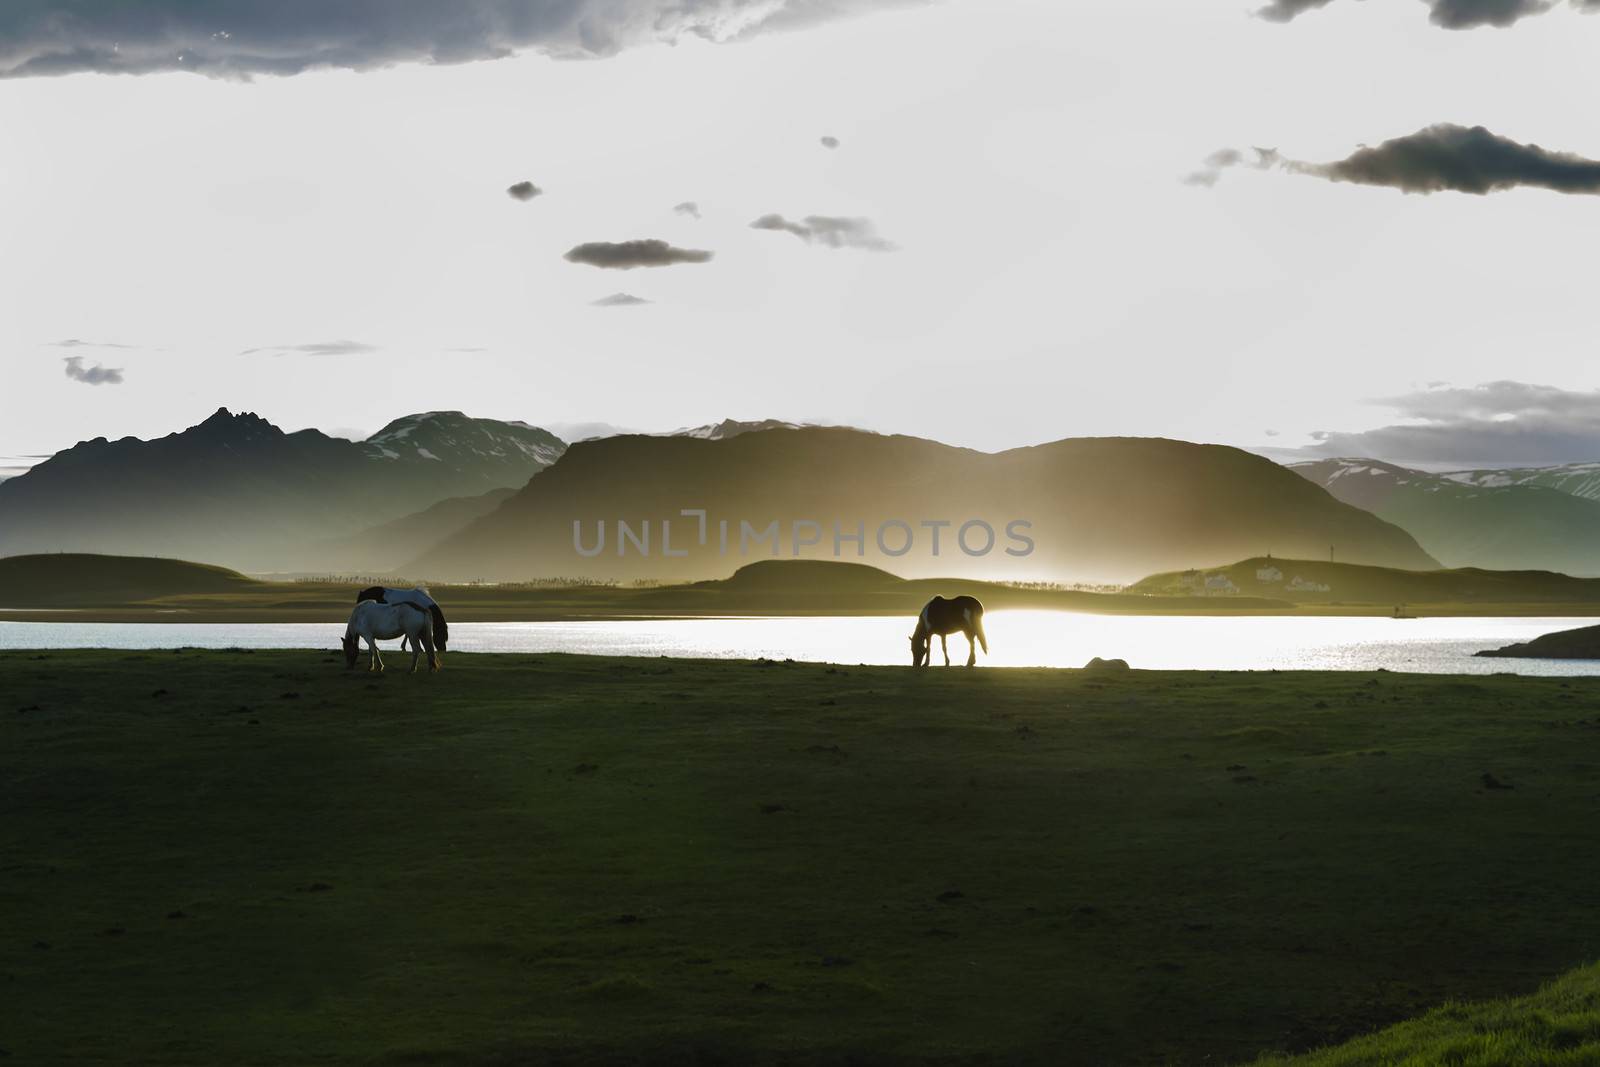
[239,491]
[1105,508]
[1490,519]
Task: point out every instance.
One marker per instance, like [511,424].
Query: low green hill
[809,575]
[1320,582]
[1558,1025]
[77,580]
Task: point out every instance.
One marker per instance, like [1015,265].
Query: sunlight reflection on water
[1016,639]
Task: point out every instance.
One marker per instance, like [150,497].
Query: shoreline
[470,613]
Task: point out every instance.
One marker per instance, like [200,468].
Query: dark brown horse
[945,617]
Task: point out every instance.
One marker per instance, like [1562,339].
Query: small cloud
[315,348]
[1270,433]
[688,207]
[626,255]
[95,375]
[1289,10]
[465,351]
[830,142]
[73,342]
[1222,159]
[620,300]
[523,191]
[1439,158]
[833,231]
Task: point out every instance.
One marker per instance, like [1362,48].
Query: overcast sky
[1035,220]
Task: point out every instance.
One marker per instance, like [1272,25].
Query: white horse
[392,595]
[382,622]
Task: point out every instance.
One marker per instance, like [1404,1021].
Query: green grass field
[226,857]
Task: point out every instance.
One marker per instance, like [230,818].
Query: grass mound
[1559,1026]
[76,579]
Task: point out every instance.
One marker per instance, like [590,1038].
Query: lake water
[1016,638]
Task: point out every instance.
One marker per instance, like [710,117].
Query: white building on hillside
[1269,575]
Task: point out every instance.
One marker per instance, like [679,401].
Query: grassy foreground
[213,857]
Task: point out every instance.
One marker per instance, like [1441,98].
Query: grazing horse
[945,617]
[381,622]
[419,597]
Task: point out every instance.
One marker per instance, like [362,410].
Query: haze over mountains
[445,496]
[1511,520]
[1100,508]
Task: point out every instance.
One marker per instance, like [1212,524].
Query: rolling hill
[237,490]
[1099,508]
[1480,519]
[79,580]
[1321,582]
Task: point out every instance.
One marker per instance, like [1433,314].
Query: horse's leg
[433,655]
[416,654]
[377,660]
[944,646]
[972,651]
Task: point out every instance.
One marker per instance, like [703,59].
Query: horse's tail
[977,626]
[441,629]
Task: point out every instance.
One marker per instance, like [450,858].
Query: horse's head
[919,650]
[352,649]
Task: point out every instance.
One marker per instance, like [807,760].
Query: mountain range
[238,491]
[444,495]
[1507,520]
[1099,509]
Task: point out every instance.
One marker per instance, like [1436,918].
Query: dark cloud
[1450,14]
[626,255]
[830,142]
[1497,424]
[620,300]
[688,207]
[240,38]
[523,191]
[828,230]
[1435,159]
[315,348]
[95,375]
